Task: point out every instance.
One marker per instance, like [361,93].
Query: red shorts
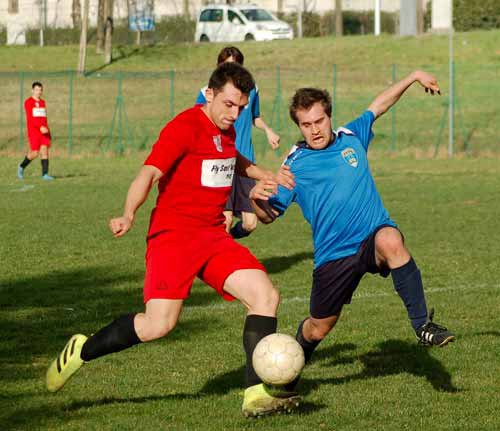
[175,258]
[36,141]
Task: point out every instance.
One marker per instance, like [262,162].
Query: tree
[339,25]
[83,38]
[100,28]
[76,14]
[108,31]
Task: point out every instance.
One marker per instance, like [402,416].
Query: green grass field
[363,68]
[63,272]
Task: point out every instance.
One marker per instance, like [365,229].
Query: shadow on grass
[390,357]
[123,53]
[278,264]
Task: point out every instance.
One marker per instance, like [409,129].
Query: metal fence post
[334,107]
[120,112]
[21,111]
[70,114]
[172,97]
[393,114]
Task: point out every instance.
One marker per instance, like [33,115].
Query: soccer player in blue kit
[352,231]
[239,203]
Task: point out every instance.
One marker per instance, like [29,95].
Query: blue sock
[238,232]
[408,284]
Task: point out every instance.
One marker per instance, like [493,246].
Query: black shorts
[335,282]
[239,200]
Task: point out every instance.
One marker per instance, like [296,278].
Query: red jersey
[36,116]
[198,161]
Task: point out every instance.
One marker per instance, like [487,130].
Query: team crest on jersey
[349,155]
[218,143]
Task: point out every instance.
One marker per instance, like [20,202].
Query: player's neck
[36,98]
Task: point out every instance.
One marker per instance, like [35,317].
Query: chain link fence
[121,113]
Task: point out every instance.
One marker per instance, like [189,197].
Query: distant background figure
[239,203]
[38,132]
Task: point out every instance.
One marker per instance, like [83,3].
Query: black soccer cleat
[432,334]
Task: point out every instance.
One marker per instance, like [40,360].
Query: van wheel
[249,36]
[204,38]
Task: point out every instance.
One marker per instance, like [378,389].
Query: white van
[224,23]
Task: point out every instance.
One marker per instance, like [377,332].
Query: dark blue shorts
[239,200]
[334,282]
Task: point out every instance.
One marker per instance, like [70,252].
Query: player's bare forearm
[385,100]
[136,196]
[272,138]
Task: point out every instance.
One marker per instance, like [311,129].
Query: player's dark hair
[305,98]
[233,73]
[230,51]
[36,84]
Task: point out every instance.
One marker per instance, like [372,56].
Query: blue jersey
[336,191]
[243,124]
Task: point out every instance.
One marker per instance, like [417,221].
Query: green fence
[124,112]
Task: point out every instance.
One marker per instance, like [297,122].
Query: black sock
[408,284]
[45,166]
[237,231]
[118,335]
[25,163]
[256,328]
[308,346]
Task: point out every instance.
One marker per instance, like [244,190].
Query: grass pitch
[62,272]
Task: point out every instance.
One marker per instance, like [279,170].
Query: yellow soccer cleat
[66,364]
[260,400]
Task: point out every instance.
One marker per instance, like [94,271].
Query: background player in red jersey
[193,162]
[38,132]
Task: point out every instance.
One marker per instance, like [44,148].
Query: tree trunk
[185,4]
[108,32]
[83,39]
[100,28]
[76,14]
[339,25]
[420,17]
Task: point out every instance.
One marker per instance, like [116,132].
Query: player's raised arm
[389,97]
[137,194]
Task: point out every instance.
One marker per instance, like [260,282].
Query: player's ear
[209,95]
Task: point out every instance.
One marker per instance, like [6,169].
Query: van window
[257,15]
[211,15]
[234,17]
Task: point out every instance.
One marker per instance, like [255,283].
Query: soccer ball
[278,359]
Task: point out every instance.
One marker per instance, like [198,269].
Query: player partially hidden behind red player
[38,132]
[193,162]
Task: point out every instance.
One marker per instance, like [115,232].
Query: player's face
[315,126]
[224,107]
[37,92]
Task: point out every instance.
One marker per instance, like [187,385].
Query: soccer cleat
[432,334]
[20,172]
[260,400]
[66,364]
[47,177]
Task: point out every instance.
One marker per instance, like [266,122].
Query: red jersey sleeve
[172,144]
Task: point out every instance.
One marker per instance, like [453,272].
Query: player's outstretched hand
[263,190]
[44,130]
[429,82]
[285,178]
[120,226]
[273,139]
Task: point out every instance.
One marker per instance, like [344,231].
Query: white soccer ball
[278,359]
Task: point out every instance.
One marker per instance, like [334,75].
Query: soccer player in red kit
[193,161]
[38,132]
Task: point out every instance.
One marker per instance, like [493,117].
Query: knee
[33,155]
[155,329]
[250,225]
[266,300]
[319,330]
[389,243]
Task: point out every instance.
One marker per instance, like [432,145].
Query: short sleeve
[362,128]
[282,199]
[200,100]
[256,105]
[171,145]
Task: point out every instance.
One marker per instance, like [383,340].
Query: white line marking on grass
[305,299]
[24,188]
